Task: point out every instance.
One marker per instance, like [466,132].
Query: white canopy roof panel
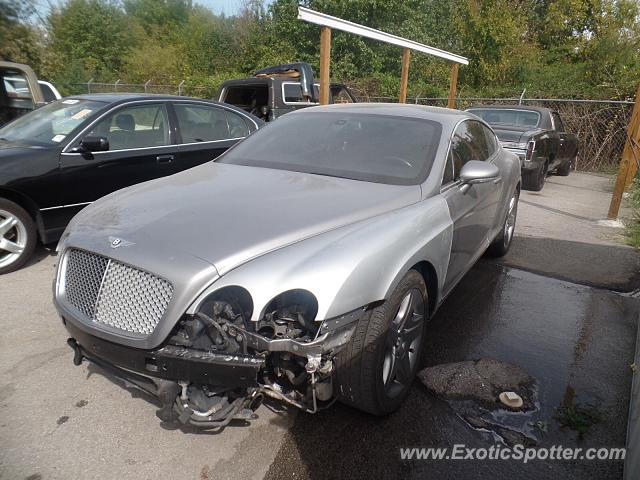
[336,23]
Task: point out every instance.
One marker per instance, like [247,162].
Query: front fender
[351,266]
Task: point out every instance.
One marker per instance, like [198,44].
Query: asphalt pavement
[562,232]
[549,307]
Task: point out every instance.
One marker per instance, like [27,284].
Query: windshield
[507,116]
[50,125]
[369,147]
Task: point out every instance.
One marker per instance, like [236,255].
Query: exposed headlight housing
[291,314]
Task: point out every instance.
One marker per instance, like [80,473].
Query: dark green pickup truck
[274,91]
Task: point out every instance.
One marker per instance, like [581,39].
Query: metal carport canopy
[325,20]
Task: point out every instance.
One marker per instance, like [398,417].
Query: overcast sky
[229,7]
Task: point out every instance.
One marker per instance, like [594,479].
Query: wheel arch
[430,276]
[27,203]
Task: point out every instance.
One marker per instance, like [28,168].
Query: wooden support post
[629,161]
[632,145]
[325,61]
[404,78]
[453,86]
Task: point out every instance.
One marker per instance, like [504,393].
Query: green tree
[20,41]
[89,38]
[162,19]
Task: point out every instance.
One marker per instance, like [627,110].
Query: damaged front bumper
[209,389]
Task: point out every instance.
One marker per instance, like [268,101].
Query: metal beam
[325,20]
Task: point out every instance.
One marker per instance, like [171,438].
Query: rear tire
[374,372]
[564,169]
[501,244]
[535,180]
[17,236]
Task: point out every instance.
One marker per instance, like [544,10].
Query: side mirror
[475,171]
[94,144]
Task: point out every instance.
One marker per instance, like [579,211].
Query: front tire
[17,236]
[374,372]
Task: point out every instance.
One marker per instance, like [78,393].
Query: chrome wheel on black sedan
[17,236]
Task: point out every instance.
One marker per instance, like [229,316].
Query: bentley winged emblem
[116,242]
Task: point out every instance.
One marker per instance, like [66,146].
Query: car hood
[514,134]
[9,149]
[230,214]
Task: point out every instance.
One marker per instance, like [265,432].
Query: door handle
[164,158]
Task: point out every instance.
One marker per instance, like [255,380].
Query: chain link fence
[600,125]
[181,89]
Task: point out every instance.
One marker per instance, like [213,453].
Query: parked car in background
[302,270]
[17,87]
[274,91]
[49,92]
[20,91]
[537,135]
[59,158]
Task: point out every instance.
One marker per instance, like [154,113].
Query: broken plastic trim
[332,335]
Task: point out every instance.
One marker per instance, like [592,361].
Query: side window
[202,123]
[134,127]
[17,90]
[47,93]
[340,95]
[557,122]
[237,126]
[448,169]
[292,93]
[469,143]
[491,140]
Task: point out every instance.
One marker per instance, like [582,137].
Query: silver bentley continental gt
[302,265]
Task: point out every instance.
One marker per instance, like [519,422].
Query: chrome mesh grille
[115,294]
[83,277]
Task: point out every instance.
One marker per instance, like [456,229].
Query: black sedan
[63,156]
[537,136]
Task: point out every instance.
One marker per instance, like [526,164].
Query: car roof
[124,97]
[114,99]
[443,115]
[513,107]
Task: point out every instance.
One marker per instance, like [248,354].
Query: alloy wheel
[402,344]
[510,222]
[13,238]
